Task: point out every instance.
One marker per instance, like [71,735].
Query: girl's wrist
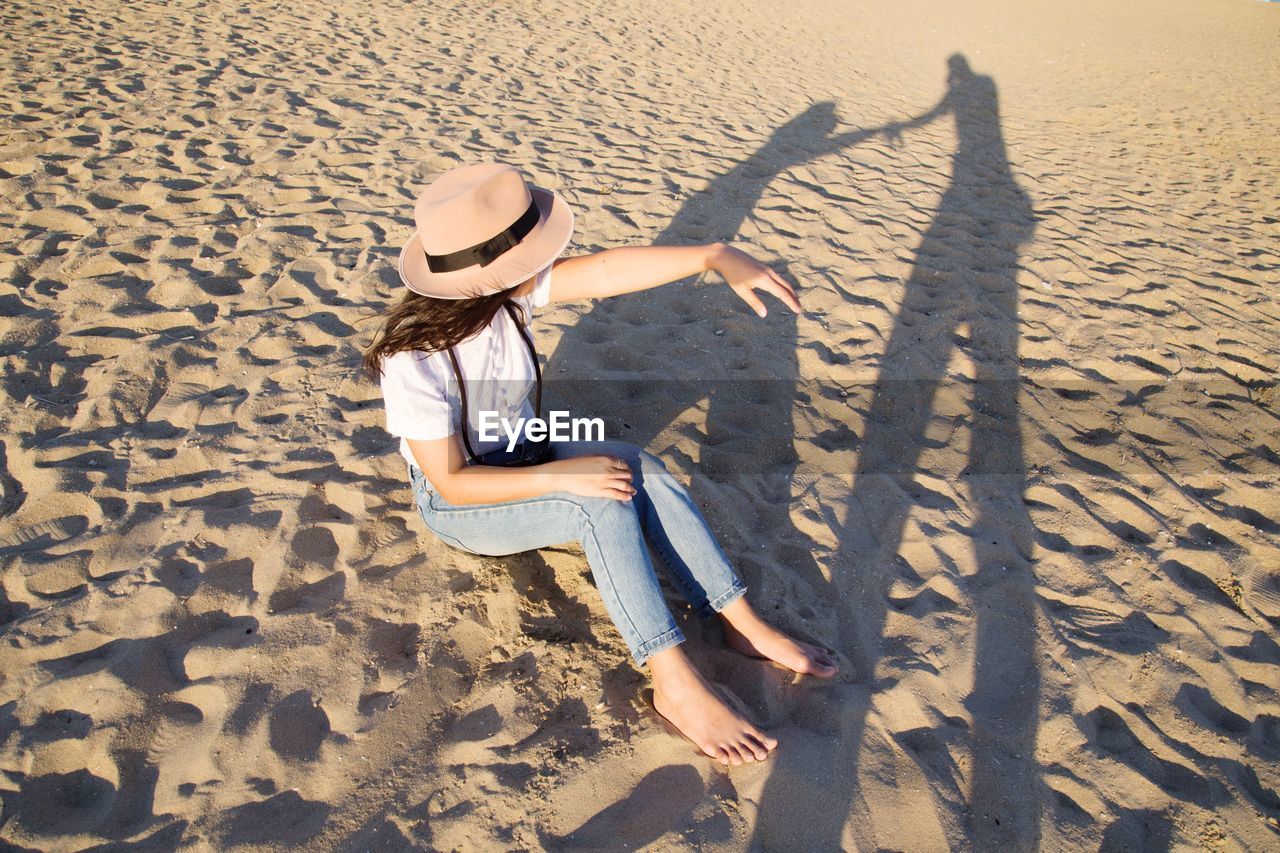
[716,253]
[552,470]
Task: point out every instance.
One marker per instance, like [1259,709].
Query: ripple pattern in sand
[223,623]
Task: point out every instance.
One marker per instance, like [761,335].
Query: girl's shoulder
[538,296]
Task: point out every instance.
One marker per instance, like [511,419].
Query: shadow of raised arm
[893,130]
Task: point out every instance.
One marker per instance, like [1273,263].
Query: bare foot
[747,633]
[686,701]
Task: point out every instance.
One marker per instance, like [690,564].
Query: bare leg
[747,633]
[682,696]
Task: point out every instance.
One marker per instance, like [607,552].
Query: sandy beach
[1016,461]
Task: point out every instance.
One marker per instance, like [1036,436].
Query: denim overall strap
[462,387]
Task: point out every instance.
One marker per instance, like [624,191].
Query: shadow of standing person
[749,398]
[962,292]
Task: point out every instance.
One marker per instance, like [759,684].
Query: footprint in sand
[71,787]
[617,805]
[298,726]
[1262,591]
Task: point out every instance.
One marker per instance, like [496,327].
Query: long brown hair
[432,325]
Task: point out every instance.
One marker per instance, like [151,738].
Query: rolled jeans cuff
[735,591]
[649,648]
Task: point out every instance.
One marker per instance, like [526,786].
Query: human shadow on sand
[747,451]
[962,292]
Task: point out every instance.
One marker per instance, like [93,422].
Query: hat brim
[534,253]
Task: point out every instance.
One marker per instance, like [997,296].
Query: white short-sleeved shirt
[421,395]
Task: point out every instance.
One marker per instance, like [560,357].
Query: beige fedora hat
[481,229]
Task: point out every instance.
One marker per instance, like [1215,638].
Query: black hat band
[488,251]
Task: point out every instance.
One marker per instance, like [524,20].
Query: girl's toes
[823,663]
[755,736]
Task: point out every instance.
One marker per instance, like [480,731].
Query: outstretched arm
[632,268]
[894,129]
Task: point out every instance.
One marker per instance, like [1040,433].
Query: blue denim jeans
[613,534]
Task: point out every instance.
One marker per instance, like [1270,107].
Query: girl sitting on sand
[454,355]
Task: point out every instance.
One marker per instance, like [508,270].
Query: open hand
[595,477]
[746,275]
